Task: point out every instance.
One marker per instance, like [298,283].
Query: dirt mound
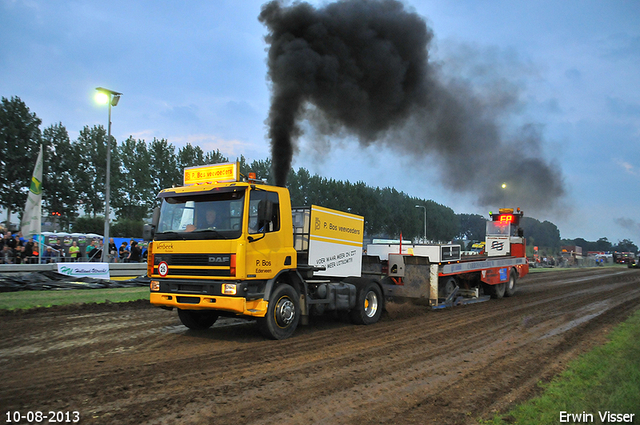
[107,306]
[50,280]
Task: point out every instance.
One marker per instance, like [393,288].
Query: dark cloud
[628,224]
[362,68]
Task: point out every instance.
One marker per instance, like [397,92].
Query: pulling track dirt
[136,364]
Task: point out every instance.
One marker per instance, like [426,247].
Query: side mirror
[156,217]
[149,230]
[265,217]
[265,214]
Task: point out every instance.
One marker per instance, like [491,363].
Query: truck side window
[257,204]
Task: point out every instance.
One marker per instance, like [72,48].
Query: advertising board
[336,242]
[216,173]
[95,270]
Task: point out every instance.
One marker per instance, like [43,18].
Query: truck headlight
[229,288]
[154,285]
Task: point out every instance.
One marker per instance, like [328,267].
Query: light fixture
[111,98]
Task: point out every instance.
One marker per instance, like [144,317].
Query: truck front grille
[193,259]
[194,265]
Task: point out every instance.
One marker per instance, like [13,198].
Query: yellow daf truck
[225,245]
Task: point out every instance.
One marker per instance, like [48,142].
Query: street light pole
[425,220]
[111,97]
[504,195]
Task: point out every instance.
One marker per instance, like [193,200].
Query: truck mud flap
[454,299]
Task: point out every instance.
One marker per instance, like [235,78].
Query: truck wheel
[510,289]
[196,319]
[283,314]
[368,307]
[496,291]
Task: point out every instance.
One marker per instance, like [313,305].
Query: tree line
[75,170]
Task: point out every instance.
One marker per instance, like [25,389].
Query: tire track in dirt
[138,365]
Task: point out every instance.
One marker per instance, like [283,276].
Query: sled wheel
[447,287]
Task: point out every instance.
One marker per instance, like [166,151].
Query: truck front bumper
[237,305]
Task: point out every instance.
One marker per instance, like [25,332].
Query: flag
[33,208]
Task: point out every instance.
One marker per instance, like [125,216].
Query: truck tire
[496,291]
[283,314]
[197,320]
[510,288]
[368,307]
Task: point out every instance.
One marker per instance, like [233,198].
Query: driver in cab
[209,221]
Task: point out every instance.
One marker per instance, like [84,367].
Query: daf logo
[218,259]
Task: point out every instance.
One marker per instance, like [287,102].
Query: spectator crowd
[15,249]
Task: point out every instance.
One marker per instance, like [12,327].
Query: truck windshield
[498,228]
[197,216]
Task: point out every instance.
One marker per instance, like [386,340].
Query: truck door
[266,252]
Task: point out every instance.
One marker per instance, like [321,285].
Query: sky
[196,72]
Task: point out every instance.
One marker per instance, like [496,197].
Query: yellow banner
[215,173]
[336,226]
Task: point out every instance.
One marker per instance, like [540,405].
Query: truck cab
[217,245]
[504,236]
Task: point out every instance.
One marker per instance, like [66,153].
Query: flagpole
[32,218]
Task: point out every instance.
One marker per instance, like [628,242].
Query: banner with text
[95,270]
[336,242]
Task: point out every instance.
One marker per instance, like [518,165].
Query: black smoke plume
[362,67]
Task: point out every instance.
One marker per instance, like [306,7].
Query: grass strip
[606,379]
[567,269]
[30,299]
